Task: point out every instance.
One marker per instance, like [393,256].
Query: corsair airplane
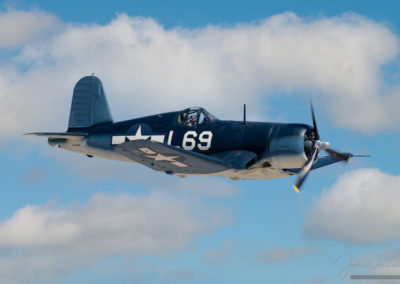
[192,141]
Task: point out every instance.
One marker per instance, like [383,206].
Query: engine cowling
[288,148]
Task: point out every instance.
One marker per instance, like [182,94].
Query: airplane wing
[328,160]
[325,161]
[237,159]
[163,157]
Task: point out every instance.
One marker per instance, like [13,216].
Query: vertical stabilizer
[89,104]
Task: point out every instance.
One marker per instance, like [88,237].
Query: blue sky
[200,13]
[69,219]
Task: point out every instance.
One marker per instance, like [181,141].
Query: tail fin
[89,104]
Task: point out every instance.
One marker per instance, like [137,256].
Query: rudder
[89,104]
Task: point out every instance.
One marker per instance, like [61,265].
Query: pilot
[191,120]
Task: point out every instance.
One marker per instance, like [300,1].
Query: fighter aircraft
[192,141]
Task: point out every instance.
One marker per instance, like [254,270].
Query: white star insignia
[161,158]
[138,135]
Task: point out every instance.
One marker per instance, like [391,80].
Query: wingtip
[296,189]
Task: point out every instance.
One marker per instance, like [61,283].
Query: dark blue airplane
[192,141]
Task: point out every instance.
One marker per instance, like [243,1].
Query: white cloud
[156,223]
[50,241]
[18,28]
[361,207]
[33,225]
[146,68]
[279,255]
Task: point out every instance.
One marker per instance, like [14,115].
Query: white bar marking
[171,133]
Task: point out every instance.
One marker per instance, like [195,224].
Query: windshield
[195,115]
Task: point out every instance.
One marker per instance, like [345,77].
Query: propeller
[317,145]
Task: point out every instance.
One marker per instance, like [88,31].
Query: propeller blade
[314,122]
[339,156]
[305,170]
[318,145]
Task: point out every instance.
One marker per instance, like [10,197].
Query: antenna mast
[244,114]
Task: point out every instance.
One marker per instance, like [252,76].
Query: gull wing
[170,159]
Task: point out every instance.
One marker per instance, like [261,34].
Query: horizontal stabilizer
[65,135]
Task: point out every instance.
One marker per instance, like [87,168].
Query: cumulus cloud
[279,255]
[146,68]
[18,28]
[361,207]
[108,225]
[155,223]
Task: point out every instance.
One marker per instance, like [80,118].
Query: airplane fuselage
[279,147]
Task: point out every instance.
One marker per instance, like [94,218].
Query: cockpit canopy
[194,116]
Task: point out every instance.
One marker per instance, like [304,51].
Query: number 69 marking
[189,143]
